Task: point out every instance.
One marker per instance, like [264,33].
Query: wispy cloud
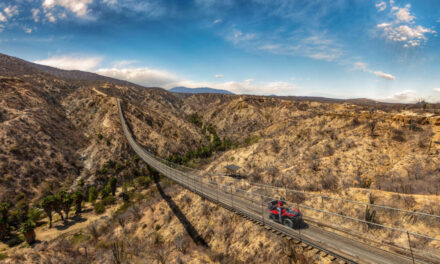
[362,66]
[219,76]
[381,6]
[217,21]
[436,90]
[72,62]
[316,47]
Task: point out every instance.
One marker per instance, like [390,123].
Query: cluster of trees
[216,144]
[62,202]
[21,216]
[18,217]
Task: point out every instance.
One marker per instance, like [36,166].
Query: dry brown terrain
[58,128]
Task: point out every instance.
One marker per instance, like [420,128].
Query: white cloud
[384,25]
[110,2]
[403,28]
[383,75]
[11,11]
[381,6]
[406,96]
[217,21]
[143,76]
[436,89]
[403,14]
[362,66]
[409,36]
[151,8]
[159,78]
[249,86]
[35,14]
[27,30]
[3,17]
[51,17]
[72,62]
[219,76]
[78,7]
[239,36]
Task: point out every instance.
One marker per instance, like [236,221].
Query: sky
[387,50]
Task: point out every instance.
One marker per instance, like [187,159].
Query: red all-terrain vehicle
[289,217]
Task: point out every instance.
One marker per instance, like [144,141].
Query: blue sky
[385,50]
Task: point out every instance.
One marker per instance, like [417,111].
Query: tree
[105,191]
[57,206]
[48,205]
[3,227]
[27,228]
[93,194]
[66,202]
[78,198]
[4,209]
[113,182]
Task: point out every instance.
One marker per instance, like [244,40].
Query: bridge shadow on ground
[195,236]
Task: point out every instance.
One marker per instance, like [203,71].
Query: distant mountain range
[182,89]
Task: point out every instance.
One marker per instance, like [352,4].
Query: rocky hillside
[60,130]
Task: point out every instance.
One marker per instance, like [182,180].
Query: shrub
[142,182]
[100,136]
[251,140]
[125,197]
[34,214]
[99,208]
[370,217]
[108,142]
[196,119]
[109,200]
[398,135]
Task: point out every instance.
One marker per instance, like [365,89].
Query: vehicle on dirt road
[289,217]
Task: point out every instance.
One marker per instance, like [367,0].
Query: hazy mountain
[182,89]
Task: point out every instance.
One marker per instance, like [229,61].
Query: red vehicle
[289,217]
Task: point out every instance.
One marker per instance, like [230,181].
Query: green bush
[196,119]
[93,194]
[142,182]
[27,226]
[108,200]
[99,208]
[100,136]
[35,214]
